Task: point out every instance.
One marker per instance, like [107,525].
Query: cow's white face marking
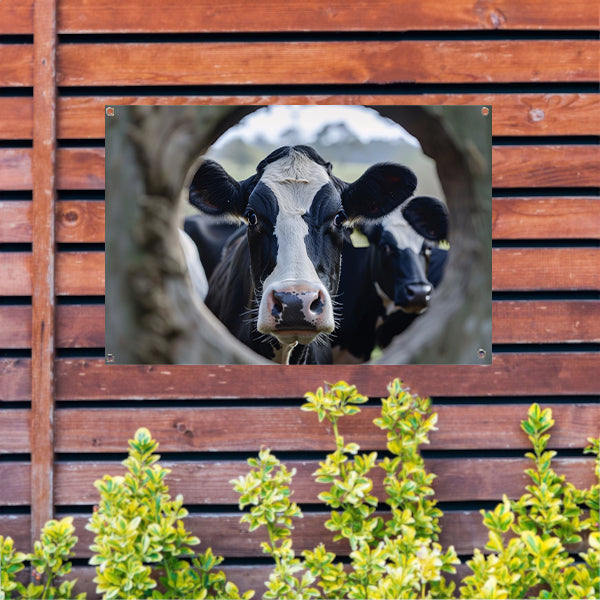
[404,234]
[294,180]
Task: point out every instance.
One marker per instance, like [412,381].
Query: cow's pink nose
[296,309]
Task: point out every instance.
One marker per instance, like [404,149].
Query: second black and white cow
[276,283]
[387,282]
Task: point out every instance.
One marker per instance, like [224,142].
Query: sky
[272,121]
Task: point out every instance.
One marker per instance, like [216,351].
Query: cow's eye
[387,249]
[251,218]
[340,219]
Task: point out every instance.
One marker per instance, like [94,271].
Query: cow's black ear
[428,217]
[378,191]
[215,192]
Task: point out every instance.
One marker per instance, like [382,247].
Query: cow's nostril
[316,305]
[277,307]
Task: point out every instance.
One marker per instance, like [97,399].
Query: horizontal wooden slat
[77,273]
[16,488]
[514,322]
[458,480]
[15,168]
[545,218]
[204,483]
[522,322]
[80,169]
[16,121]
[15,221]
[296,15]
[15,326]
[513,166]
[237,63]
[16,273]
[525,269]
[513,114]
[76,221]
[15,433]
[80,221]
[16,16]
[522,374]
[16,66]
[290,429]
[546,166]
[77,326]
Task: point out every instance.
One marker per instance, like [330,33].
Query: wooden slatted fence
[535,63]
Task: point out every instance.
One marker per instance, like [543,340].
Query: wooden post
[42,353]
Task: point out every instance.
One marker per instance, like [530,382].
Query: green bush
[399,557]
[141,548]
[49,561]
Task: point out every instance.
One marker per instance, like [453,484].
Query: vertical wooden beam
[42,348]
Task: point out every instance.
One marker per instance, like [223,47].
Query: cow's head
[296,211]
[403,240]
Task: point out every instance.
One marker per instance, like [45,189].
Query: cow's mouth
[297,336]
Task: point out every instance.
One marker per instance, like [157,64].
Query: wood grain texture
[525,374]
[538,321]
[16,66]
[80,221]
[546,218]
[555,166]
[76,16]
[76,221]
[80,169]
[289,429]
[295,15]
[557,373]
[80,274]
[528,269]
[15,169]
[513,114]
[43,262]
[15,221]
[16,117]
[208,482]
[220,63]
[16,478]
[15,433]
[16,16]
[77,273]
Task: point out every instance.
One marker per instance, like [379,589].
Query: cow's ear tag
[359,239]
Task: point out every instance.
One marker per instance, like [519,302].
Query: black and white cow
[387,282]
[275,285]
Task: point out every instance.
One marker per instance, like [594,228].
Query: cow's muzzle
[296,312]
[415,297]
